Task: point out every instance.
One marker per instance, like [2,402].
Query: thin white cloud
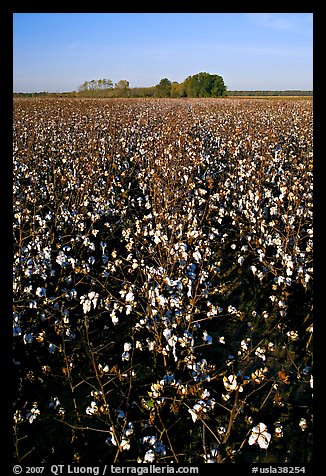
[294,22]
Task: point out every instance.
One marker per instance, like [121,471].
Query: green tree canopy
[198,85]
[204,85]
[163,88]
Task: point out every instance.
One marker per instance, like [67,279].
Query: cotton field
[162,280]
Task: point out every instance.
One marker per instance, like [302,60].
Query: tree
[122,88]
[84,86]
[219,88]
[108,84]
[93,84]
[177,90]
[191,86]
[163,88]
[204,85]
[122,84]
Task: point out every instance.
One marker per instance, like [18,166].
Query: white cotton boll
[130,429]
[28,338]
[278,430]
[253,269]
[202,191]
[260,352]
[41,292]
[87,306]
[230,383]
[260,435]
[112,440]
[92,409]
[264,439]
[303,424]
[33,413]
[139,345]
[172,341]
[93,296]
[150,440]
[167,333]
[161,300]
[149,456]
[205,394]
[244,345]
[124,445]
[114,318]
[279,280]
[17,331]
[252,439]
[198,407]
[55,402]
[194,416]
[127,346]
[65,318]
[197,256]
[125,356]
[73,294]
[121,414]
[103,245]
[62,259]
[129,297]
[232,309]
[293,335]
[207,338]
[52,348]
[151,345]
[128,309]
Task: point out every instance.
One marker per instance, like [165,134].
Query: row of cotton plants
[162,281]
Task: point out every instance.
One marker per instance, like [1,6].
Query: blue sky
[59,51]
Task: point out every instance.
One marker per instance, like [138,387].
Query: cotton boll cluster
[155,449]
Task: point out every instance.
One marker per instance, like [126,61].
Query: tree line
[286,92]
[198,85]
